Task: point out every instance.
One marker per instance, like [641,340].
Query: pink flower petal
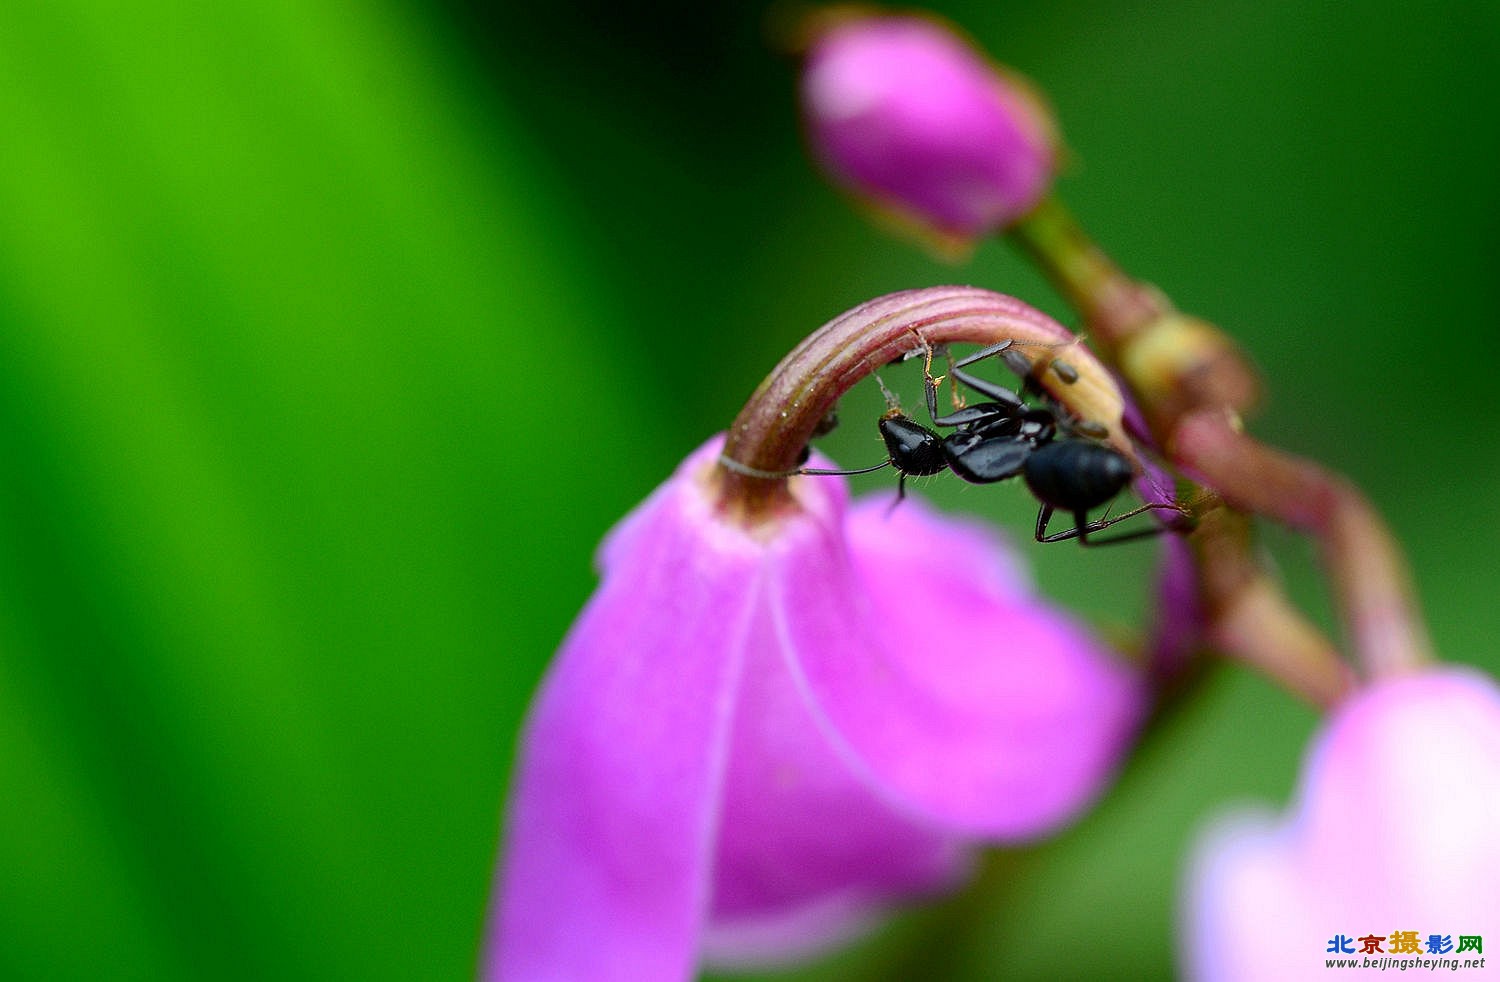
[961,561]
[685,787]
[808,855]
[613,814]
[970,707]
[1396,828]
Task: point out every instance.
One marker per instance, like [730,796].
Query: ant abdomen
[1076,475]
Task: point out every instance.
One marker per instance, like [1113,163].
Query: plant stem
[767,439]
[1112,304]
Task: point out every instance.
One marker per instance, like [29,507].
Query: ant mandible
[1059,458]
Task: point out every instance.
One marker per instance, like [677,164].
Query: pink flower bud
[905,113]
[1395,834]
[754,741]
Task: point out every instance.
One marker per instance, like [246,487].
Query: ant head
[914,449]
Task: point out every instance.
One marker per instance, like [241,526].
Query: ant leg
[991,391]
[1025,369]
[1144,533]
[900,494]
[930,393]
[1010,356]
[1014,360]
[984,353]
[1009,403]
[929,390]
[1043,516]
[1084,528]
[1080,531]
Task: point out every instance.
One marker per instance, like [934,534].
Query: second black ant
[1060,459]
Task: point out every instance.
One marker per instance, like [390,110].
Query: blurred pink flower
[753,741]
[904,112]
[1396,828]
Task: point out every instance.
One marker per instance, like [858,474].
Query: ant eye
[1066,372]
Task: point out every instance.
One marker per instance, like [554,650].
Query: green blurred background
[333,336]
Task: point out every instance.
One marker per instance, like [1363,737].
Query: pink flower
[1396,829]
[901,110]
[754,741]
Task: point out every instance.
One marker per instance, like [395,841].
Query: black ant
[1058,458]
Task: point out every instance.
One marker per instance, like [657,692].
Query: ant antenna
[746,470]
[838,473]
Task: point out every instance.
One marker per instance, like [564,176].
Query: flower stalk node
[1176,363]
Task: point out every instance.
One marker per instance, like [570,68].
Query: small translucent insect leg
[920,351]
[891,402]
[1083,528]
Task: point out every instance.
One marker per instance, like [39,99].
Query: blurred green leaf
[285,306]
